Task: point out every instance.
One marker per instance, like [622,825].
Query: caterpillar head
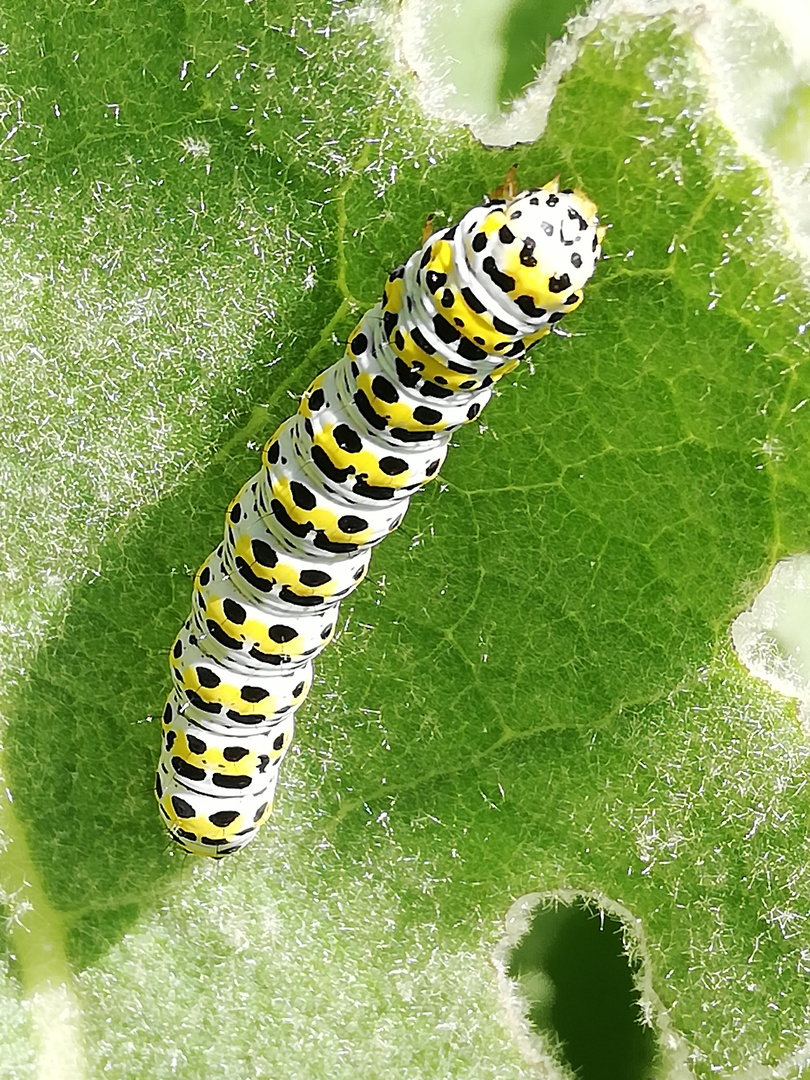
[539,249]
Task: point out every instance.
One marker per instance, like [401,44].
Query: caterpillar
[336,479]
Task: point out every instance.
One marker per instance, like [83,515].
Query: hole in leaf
[772,638]
[573,970]
[529,28]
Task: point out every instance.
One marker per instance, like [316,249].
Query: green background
[535,689]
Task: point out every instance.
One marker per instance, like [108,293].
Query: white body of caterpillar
[336,478]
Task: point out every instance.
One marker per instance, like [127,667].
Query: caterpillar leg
[427,228]
[508,188]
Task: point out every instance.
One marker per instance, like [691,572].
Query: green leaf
[534,691]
